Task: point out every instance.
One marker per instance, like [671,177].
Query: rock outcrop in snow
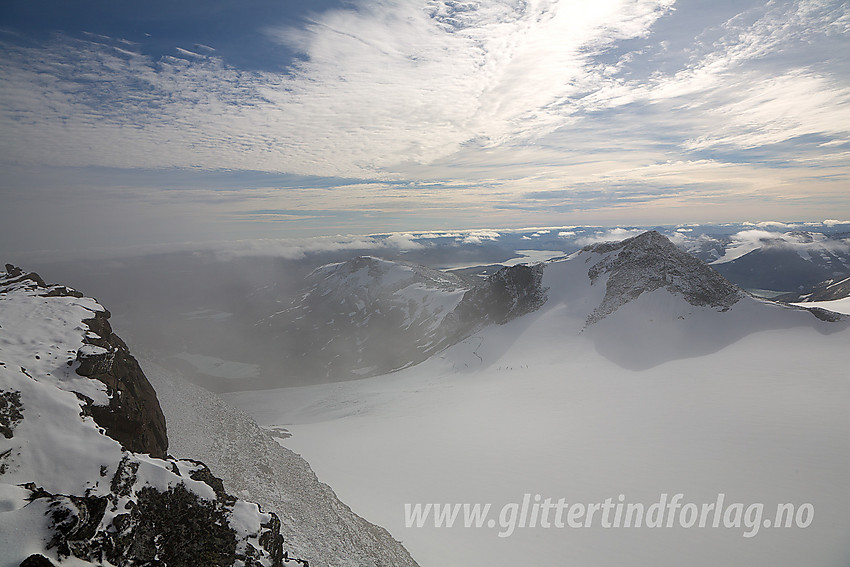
[133,416]
[82,436]
[648,262]
[509,293]
[643,302]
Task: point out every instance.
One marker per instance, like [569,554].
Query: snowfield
[658,397]
[835,305]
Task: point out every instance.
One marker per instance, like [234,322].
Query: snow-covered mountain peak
[369,276]
[647,262]
[365,316]
[643,302]
[670,389]
[370,316]
[363,289]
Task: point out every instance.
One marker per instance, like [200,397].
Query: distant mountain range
[233,322]
[792,261]
[829,290]
[369,316]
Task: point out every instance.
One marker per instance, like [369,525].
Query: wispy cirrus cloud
[394,82]
[384,83]
[771,74]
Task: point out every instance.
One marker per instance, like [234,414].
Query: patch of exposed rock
[648,262]
[133,416]
[509,293]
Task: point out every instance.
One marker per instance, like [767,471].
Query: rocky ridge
[649,261]
[509,293]
[83,470]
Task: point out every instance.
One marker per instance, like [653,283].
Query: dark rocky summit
[509,293]
[649,261]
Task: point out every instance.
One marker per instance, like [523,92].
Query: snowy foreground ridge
[84,478]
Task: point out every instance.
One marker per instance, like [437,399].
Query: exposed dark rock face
[509,293]
[16,277]
[826,315]
[650,261]
[74,521]
[175,526]
[133,416]
[10,412]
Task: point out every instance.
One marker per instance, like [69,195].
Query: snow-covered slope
[72,406]
[660,303]
[629,383]
[841,306]
[831,295]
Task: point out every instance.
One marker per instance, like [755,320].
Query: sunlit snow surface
[658,397]
[835,305]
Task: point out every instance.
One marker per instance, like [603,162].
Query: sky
[129,124]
